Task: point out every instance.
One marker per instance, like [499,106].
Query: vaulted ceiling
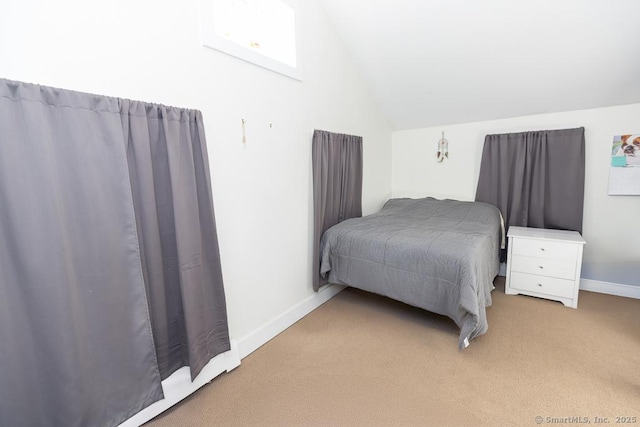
[438,62]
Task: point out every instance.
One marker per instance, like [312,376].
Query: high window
[263,32]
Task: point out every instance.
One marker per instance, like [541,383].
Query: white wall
[611,237]
[151,51]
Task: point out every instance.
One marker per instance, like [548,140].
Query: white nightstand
[544,263]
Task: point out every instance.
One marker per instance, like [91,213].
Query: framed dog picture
[624,173]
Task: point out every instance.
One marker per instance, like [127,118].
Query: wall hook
[244,134]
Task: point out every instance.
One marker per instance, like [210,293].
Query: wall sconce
[443,149]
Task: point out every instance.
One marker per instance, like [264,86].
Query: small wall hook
[244,134]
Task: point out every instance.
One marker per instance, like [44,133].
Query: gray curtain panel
[536,179]
[170,180]
[110,271]
[76,342]
[337,186]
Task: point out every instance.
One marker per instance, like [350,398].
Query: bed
[439,255]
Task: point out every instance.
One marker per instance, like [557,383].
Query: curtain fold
[337,186]
[77,347]
[109,261]
[180,258]
[536,179]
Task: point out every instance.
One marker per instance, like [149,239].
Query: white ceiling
[438,62]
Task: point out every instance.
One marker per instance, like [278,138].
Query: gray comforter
[439,255]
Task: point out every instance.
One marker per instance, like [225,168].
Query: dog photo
[628,146]
[624,173]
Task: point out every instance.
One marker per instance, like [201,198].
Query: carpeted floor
[364,360]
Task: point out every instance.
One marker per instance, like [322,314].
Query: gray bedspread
[439,255]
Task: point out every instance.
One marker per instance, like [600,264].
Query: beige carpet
[364,360]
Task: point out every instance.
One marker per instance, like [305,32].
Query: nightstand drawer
[544,267]
[545,249]
[544,285]
[544,263]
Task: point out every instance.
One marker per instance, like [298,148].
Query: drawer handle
[542,249]
[540,267]
[540,284]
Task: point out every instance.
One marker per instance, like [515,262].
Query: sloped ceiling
[438,62]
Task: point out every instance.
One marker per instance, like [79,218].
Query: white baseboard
[265,333]
[610,288]
[179,385]
[629,291]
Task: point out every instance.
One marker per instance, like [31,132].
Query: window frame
[212,40]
